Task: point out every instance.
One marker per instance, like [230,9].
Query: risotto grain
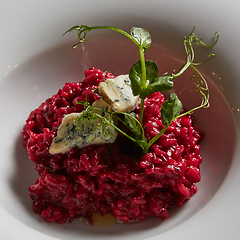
[110,178]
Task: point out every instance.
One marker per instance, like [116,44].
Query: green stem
[205,96]
[114,29]
[153,140]
[143,65]
[190,57]
[141,111]
[127,114]
[83,29]
[143,81]
[82,32]
[114,126]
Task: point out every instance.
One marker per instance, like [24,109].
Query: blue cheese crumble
[117,93]
[70,135]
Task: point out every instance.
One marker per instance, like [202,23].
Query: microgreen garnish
[145,81]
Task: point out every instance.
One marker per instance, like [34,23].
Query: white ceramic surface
[36,60]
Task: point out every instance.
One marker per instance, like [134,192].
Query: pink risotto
[110,178]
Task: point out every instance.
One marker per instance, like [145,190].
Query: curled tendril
[188,45]
[202,86]
[135,125]
[82,32]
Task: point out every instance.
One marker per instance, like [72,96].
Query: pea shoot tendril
[145,81]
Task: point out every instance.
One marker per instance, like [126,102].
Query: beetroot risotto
[108,179]
[114,145]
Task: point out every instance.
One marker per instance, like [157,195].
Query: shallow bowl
[37,60]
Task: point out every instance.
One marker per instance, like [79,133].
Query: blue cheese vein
[117,93]
[87,133]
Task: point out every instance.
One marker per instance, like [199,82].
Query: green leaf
[163,83]
[143,144]
[142,37]
[151,71]
[171,109]
[130,121]
[135,75]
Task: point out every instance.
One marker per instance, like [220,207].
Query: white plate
[36,60]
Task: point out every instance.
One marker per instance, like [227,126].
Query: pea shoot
[145,81]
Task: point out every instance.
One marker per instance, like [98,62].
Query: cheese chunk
[87,133]
[117,93]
